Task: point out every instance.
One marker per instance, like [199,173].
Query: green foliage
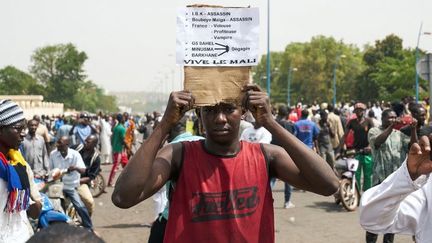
[16,82]
[315,62]
[389,73]
[260,71]
[60,69]
[384,71]
[90,97]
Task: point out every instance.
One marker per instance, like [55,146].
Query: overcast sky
[131,43]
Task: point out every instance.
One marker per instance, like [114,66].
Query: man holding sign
[222,191]
[221,187]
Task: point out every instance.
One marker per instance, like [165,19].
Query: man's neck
[222,150]
[88,151]
[32,135]
[64,155]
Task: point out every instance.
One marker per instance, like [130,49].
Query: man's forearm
[383,137]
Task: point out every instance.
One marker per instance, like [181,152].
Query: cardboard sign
[211,85]
[217,36]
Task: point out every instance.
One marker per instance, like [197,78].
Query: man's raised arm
[146,173]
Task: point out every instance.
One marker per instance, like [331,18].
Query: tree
[92,98]
[16,82]
[60,69]
[260,71]
[389,71]
[315,61]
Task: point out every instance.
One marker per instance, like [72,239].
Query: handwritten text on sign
[217,36]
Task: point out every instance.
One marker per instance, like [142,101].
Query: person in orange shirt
[130,133]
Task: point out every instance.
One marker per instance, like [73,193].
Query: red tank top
[221,199]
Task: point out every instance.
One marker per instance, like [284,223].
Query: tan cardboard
[212,85]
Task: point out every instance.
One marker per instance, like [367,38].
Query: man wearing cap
[18,193]
[222,191]
[360,126]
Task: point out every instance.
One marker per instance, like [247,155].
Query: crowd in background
[326,129]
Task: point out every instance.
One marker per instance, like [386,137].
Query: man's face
[62,145]
[221,122]
[420,116]
[12,136]
[359,113]
[387,120]
[84,121]
[90,143]
[32,126]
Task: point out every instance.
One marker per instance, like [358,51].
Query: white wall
[34,105]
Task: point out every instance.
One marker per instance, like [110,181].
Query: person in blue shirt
[306,130]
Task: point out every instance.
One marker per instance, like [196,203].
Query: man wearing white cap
[17,191]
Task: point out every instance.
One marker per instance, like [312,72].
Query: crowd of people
[381,135]
[41,147]
[223,166]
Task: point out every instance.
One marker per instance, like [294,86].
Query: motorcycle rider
[65,158]
[361,125]
[91,158]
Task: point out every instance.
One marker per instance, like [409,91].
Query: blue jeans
[79,206]
[287,192]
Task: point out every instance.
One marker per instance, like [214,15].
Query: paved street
[315,219]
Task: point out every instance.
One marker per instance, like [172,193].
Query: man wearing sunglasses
[17,191]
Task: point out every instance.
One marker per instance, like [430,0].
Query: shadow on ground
[327,206]
[124,226]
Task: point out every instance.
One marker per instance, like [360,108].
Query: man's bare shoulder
[172,154]
[271,151]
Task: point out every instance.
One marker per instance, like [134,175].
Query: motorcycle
[54,190]
[348,193]
[49,215]
[97,186]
